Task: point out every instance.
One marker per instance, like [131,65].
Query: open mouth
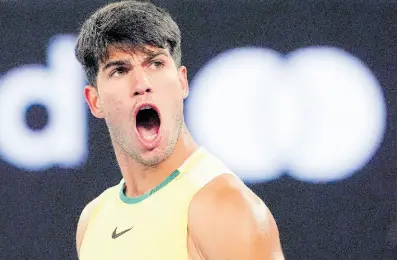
[148,123]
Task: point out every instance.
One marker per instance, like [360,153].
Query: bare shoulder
[83,222]
[228,221]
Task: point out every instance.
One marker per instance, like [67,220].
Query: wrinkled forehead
[146,50]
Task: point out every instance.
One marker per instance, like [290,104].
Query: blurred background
[297,97]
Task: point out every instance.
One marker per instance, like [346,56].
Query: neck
[140,179]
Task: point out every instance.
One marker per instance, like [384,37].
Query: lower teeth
[150,137]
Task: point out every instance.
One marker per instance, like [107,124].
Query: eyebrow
[115,63]
[153,54]
[150,56]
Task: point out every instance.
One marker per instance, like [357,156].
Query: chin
[153,157]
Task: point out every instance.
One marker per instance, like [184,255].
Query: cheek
[174,107]
[114,107]
[172,91]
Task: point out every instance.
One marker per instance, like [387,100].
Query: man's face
[140,96]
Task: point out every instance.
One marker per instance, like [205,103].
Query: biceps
[249,240]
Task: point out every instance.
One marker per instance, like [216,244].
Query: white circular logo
[317,114]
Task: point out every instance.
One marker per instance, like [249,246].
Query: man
[175,201]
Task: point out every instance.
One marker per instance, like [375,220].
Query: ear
[182,74]
[93,101]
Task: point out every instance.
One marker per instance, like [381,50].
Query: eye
[119,71]
[156,64]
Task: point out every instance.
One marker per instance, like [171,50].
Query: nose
[142,84]
[142,91]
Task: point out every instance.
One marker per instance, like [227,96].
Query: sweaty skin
[226,219]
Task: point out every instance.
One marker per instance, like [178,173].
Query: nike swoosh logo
[116,235]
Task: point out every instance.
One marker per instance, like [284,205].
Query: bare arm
[228,221]
[83,222]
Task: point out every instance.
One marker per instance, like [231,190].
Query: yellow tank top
[152,226]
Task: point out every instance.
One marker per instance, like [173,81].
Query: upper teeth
[145,107]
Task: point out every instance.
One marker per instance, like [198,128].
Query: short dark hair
[126,24]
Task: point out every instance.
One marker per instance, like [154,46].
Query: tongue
[148,133]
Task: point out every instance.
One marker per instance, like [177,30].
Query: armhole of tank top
[205,179]
[216,169]
[100,201]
